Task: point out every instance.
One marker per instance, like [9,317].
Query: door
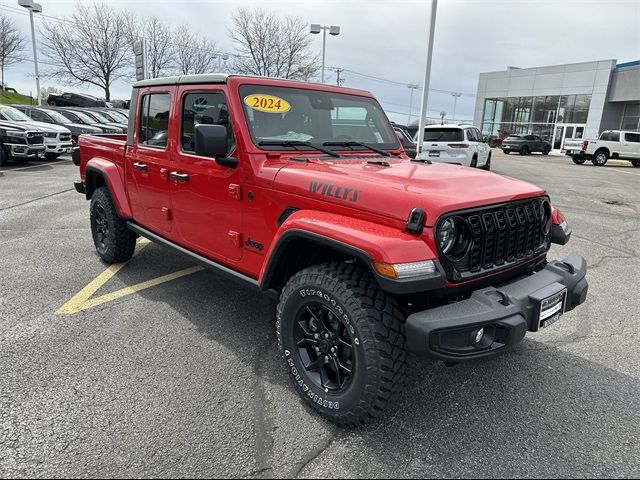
[631,145]
[148,162]
[481,147]
[566,132]
[206,197]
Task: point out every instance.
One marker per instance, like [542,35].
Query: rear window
[443,135]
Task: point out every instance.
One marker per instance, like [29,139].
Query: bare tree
[193,53]
[11,46]
[90,47]
[272,46]
[159,43]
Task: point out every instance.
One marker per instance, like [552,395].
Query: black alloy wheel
[101,228]
[324,347]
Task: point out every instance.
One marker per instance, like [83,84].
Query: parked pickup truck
[303,191]
[614,144]
[19,142]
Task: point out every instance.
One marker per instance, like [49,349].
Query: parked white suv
[459,144]
[615,144]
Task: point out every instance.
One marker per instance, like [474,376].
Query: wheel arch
[103,173]
[309,237]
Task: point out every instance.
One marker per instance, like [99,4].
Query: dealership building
[560,102]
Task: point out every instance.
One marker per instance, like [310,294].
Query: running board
[199,259]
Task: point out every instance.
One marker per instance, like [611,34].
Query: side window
[473,136]
[39,116]
[610,136]
[204,108]
[632,137]
[153,129]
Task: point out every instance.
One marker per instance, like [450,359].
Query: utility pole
[339,81]
[412,86]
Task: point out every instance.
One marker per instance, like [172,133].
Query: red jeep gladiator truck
[303,191]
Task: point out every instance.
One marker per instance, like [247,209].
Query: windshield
[118,117]
[98,117]
[56,116]
[443,135]
[280,114]
[13,115]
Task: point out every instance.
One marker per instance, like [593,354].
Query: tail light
[459,145]
[584,145]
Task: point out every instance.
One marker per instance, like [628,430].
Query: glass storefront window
[631,117]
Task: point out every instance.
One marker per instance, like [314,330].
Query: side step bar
[199,259]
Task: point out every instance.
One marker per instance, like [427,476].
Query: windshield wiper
[356,144]
[296,143]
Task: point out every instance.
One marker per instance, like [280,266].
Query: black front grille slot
[499,236]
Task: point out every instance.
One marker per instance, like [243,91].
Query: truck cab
[304,192]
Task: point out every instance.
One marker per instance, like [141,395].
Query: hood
[44,127]
[82,127]
[395,190]
[19,126]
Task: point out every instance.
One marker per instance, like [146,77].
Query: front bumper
[66,147]
[506,313]
[20,150]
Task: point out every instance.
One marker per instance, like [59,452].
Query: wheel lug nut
[316,336]
[326,359]
[326,335]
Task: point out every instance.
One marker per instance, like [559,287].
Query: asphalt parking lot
[161,369]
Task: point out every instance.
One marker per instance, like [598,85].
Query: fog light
[479,335]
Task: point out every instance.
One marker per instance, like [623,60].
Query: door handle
[140,166]
[179,177]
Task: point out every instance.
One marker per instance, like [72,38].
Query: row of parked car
[49,131]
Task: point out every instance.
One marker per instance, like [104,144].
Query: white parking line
[52,162]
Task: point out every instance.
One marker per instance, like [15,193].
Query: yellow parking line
[123,292]
[80,298]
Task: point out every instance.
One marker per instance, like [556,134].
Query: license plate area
[551,308]
[550,303]
[434,153]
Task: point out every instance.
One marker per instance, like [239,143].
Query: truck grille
[35,138]
[498,236]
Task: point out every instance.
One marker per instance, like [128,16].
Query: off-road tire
[600,158]
[119,243]
[578,160]
[377,335]
[636,163]
[4,158]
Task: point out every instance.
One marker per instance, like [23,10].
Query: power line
[403,84]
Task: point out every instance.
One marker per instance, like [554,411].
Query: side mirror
[211,141]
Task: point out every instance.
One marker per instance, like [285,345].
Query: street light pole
[427,77]
[455,96]
[333,30]
[412,86]
[33,8]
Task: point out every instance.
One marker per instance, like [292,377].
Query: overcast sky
[387,39]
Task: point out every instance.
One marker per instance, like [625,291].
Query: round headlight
[447,235]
